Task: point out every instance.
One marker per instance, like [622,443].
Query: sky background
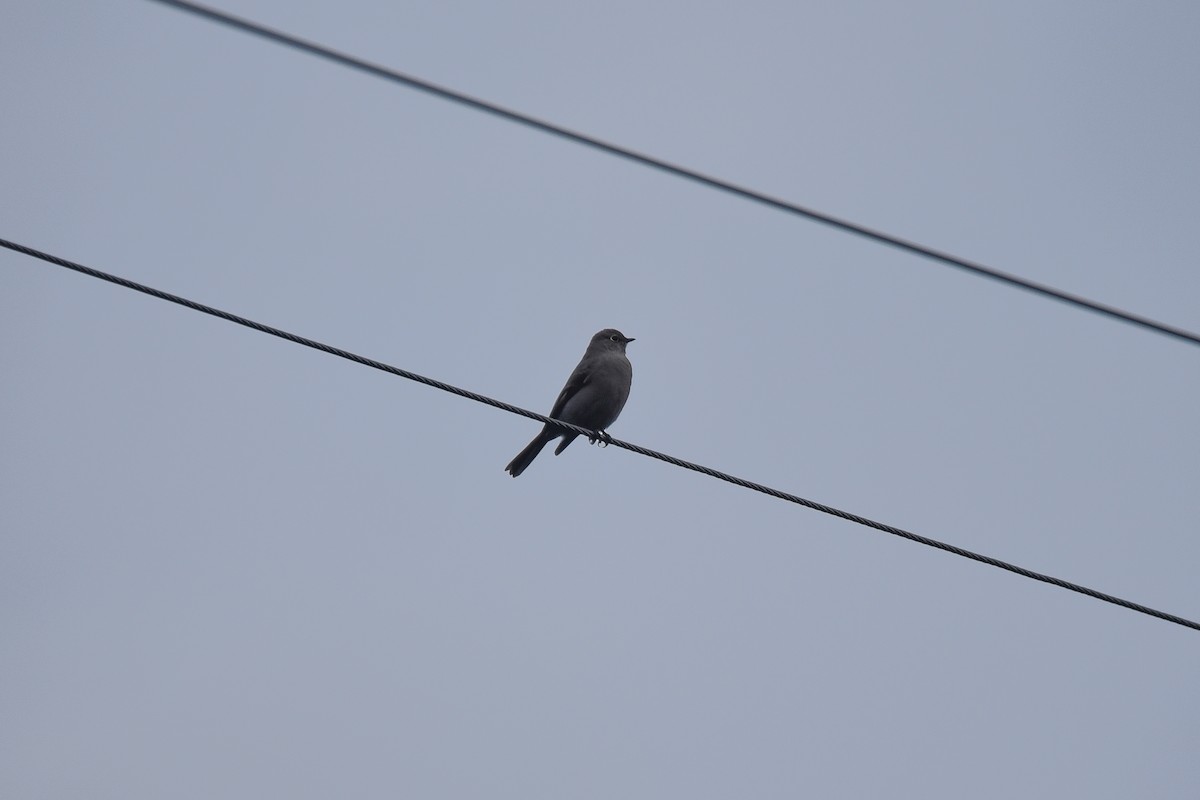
[233,567]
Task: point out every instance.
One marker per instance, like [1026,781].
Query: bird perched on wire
[593,397]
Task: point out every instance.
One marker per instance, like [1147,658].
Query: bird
[593,397]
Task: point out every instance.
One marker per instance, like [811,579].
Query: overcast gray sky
[233,567]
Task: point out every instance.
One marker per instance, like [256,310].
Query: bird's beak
[627,341]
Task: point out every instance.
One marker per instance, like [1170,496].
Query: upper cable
[973,267]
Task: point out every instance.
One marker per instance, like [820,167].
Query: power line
[758,487]
[673,169]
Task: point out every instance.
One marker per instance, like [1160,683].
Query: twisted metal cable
[779,204]
[598,435]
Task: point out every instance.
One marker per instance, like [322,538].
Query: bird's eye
[615,338]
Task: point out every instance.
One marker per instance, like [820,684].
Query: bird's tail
[526,456]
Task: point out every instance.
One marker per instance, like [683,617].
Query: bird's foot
[602,437]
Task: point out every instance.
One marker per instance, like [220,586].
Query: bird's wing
[579,378]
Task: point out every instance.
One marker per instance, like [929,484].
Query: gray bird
[593,397]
